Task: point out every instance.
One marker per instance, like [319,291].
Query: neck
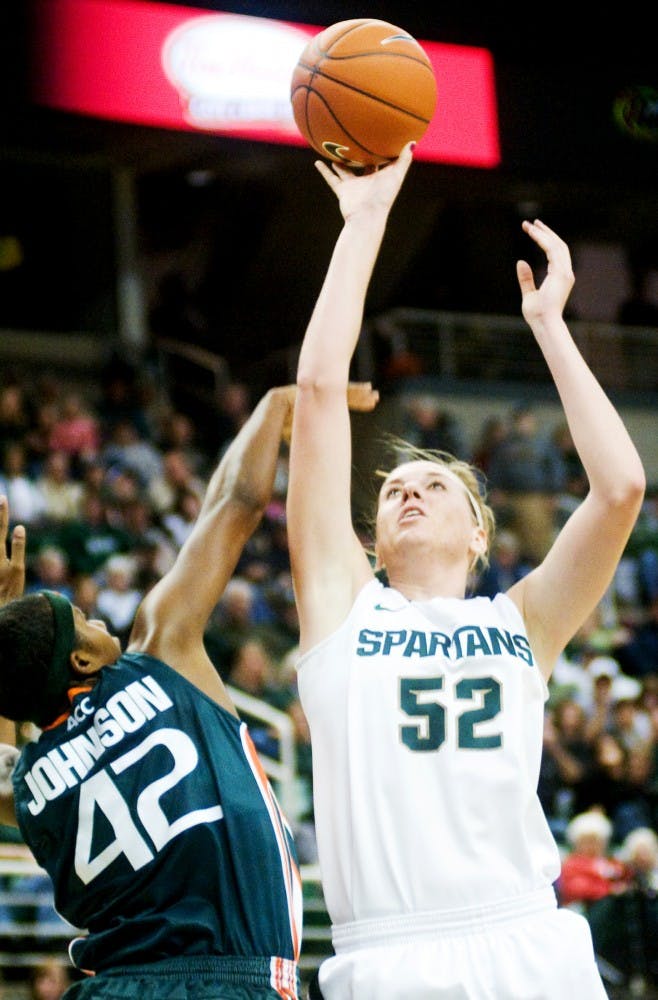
[419,582]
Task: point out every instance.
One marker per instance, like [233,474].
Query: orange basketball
[361,90]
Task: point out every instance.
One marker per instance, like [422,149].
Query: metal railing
[281,770]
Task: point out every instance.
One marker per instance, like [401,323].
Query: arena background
[249,226]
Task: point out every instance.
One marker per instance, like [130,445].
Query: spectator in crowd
[25,498]
[151,546]
[93,476]
[639,852]
[234,408]
[492,433]
[234,621]
[179,521]
[89,540]
[506,565]
[14,414]
[602,673]
[50,979]
[566,760]
[625,926]
[177,474]
[283,631]
[526,475]
[607,787]
[85,594]
[122,486]
[122,396]
[275,525]
[118,597]
[50,571]
[640,806]
[76,431]
[61,491]
[589,871]
[253,671]
[426,423]
[630,723]
[178,432]
[639,652]
[39,433]
[127,449]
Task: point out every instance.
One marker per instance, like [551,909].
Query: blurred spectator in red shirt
[77,430]
[589,871]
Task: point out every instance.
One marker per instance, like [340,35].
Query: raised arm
[172,618]
[558,596]
[328,563]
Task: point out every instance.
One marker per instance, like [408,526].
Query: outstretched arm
[558,596]
[172,618]
[328,563]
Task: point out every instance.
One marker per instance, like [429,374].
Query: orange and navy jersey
[149,809]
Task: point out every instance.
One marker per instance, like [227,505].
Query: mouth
[410,514]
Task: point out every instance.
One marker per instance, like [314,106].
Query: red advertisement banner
[183,68]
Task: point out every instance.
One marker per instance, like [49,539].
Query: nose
[410,490]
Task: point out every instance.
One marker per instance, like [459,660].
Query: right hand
[378,188]
[361,396]
[12,567]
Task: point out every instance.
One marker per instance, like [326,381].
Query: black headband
[59,675]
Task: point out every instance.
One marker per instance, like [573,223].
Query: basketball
[361,90]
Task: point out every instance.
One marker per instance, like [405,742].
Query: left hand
[12,567]
[551,296]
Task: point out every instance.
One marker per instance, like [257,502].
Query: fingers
[525,277]
[406,153]
[328,174]
[4,519]
[18,547]
[542,234]
[361,396]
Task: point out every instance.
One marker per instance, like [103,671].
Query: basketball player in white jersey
[425,705]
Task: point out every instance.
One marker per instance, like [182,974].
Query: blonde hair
[468,475]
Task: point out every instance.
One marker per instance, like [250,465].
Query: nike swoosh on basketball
[382,607]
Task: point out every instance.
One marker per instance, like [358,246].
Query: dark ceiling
[264,221]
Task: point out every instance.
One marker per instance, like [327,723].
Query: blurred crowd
[108,480]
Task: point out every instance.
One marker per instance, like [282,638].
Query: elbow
[629,493]
[636,488]
[314,383]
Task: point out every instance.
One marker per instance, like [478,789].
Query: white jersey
[426,720]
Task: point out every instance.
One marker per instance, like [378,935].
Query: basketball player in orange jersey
[425,705]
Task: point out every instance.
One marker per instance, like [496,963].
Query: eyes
[396,490]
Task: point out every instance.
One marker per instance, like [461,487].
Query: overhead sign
[178,67]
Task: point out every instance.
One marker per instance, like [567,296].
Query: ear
[85,662]
[479,542]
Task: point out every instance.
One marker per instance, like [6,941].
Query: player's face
[421,502]
[106,647]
